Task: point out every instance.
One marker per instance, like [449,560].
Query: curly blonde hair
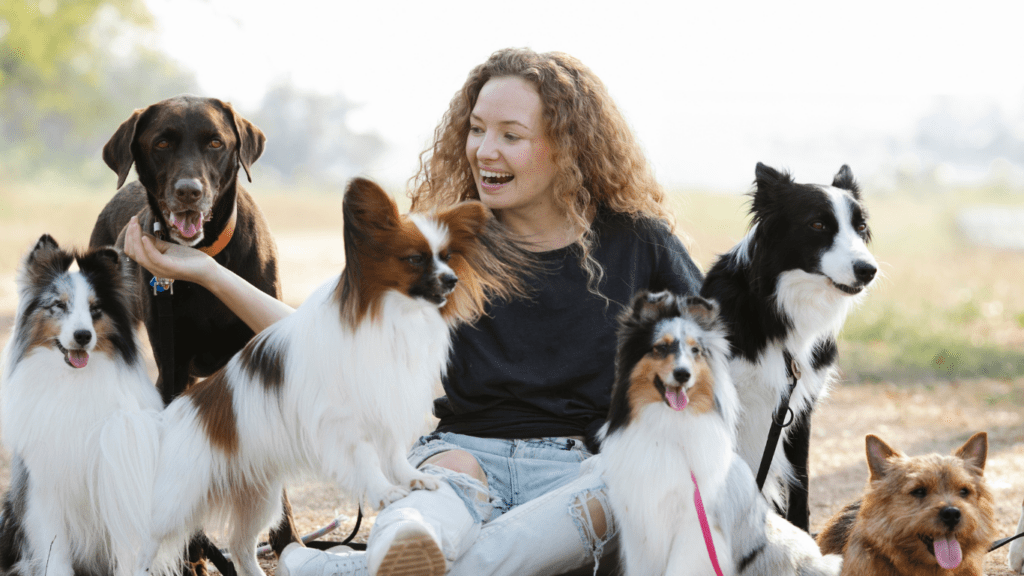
[598,160]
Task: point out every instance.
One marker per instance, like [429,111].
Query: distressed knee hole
[460,461]
[590,508]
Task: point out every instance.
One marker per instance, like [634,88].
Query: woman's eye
[476,130]
[512,137]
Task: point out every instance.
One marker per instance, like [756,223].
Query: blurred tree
[63,85]
[308,138]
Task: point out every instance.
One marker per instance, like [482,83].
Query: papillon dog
[788,287]
[343,386]
[670,434]
[80,417]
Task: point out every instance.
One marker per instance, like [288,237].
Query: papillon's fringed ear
[879,453]
[490,263]
[367,206]
[975,451]
[844,179]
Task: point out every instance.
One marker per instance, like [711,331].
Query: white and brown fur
[674,412]
[341,387]
[80,417]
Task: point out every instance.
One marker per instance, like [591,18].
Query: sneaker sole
[412,554]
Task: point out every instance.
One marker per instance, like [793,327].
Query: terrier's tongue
[947,552]
[78,358]
[188,223]
[676,398]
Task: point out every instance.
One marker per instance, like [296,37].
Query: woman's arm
[166,260]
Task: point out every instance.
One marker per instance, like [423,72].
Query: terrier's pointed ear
[117,152]
[879,453]
[975,451]
[844,179]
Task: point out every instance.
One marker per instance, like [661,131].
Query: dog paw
[424,482]
[389,495]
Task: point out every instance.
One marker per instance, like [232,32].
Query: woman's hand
[165,259]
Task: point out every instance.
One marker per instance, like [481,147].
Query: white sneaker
[298,560]
[409,550]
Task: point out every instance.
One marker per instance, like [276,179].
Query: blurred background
[923,99]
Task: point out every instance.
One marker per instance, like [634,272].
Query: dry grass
[937,294]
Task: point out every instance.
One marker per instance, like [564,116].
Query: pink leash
[704,526]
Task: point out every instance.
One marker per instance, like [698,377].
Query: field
[935,353]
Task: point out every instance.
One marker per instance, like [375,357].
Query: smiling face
[508,149]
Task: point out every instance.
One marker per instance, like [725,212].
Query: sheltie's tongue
[947,552]
[78,358]
[188,223]
[676,398]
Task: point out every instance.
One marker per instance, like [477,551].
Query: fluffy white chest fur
[647,469]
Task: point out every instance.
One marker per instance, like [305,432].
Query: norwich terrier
[921,516]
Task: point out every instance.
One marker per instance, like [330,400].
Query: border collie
[788,286]
[80,417]
[343,386]
[670,431]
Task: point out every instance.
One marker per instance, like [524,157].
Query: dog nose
[681,375]
[448,281]
[864,271]
[188,189]
[950,516]
[83,337]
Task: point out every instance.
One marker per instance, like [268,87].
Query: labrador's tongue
[947,552]
[78,358]
[676,398]
[188,223]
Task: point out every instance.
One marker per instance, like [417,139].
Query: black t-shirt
[544,366]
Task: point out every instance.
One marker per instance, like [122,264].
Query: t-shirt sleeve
[674,270]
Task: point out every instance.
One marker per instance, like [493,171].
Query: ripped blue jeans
[537,518]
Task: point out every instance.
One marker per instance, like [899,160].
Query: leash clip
[161,285]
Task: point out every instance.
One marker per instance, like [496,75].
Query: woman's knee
[459,461]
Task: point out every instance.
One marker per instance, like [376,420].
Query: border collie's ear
[974,451]
[767,180]
[117,152]
[879,453]
[368,206]
[844,179]
[251,139]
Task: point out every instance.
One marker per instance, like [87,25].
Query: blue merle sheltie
[671,429]
[80,418]
[786,289]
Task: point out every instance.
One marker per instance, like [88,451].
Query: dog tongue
[676,398]
[188,224]
[947,552]
[78,358]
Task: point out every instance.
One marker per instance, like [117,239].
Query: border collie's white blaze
[343,386]
[673,413]
[80,417]
[789,285]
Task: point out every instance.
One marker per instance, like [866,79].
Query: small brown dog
[921,515]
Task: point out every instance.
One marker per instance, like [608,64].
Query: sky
[710,88]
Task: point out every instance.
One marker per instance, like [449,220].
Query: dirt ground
[917,417]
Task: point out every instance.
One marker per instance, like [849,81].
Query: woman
[538,140]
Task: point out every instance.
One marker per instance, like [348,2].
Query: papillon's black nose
[950,516]
[83,337]
[681,375]
[864,271]
[448,281]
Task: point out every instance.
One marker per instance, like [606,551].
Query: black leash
[1000,543]
[779,419]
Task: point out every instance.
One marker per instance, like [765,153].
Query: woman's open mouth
[490,178]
